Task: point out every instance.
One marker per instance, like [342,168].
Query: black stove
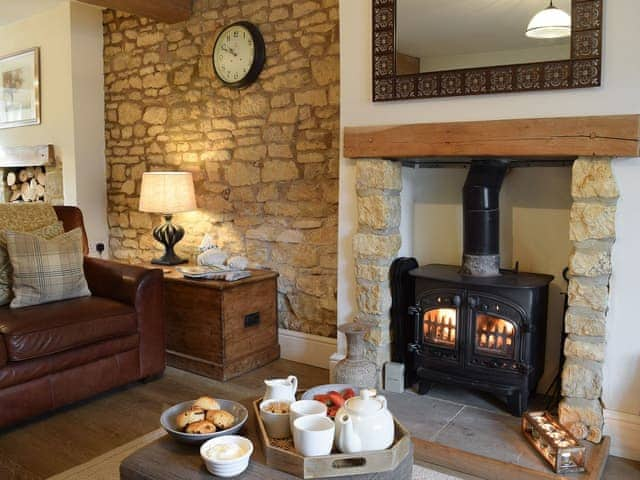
[474,325]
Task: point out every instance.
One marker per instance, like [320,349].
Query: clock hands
[227,49]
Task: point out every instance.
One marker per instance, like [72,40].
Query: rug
[107,466]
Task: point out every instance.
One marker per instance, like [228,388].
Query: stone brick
[586,348]
[583,418]
[140,220]
[129,113]
[592,221]
[582,379]
[379,212]
[593,178]
[590,262]
[279,171]
[373,273]
[379,174]
[377,246]
[585,292]
[373,298]
[584,321]
[155,115]
[324,69]
[242,173]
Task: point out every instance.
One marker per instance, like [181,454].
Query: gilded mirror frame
[582,70]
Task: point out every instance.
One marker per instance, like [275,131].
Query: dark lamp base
[168,235]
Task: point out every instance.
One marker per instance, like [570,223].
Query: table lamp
[167,193]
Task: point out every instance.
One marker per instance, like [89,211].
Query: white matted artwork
[20,88]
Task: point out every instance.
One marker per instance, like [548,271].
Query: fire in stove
[440,325]
[494,335]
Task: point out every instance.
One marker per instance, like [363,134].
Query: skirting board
[306,348]
[624,430]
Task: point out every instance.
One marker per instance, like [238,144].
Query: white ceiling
[15,10]
[429,28]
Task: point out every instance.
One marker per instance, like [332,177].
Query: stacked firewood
[27,184]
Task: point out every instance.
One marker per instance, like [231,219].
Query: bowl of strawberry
[333,396]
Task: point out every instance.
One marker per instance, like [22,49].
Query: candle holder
[554,442]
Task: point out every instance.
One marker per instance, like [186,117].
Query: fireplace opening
[24,184]
[475,325]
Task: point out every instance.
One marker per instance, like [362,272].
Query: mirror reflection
[436,35]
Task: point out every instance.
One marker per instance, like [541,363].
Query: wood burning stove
[476,326]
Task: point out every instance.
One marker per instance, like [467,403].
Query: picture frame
[20,88]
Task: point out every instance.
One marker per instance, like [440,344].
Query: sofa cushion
[46,270]
[3,354]
[36,331]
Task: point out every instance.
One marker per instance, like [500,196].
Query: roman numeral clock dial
[239,54]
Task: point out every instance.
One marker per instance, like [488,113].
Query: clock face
[238,54]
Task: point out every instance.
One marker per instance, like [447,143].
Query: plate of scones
[196,421]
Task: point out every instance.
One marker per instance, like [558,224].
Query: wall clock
[239,54]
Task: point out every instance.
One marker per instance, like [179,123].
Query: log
[11,179]
[15,195]
[39,192]
[41,178]
[30,172]
[23,176]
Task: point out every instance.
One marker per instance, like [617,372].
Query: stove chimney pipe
[481,215]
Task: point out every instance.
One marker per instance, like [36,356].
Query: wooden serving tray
[281,455]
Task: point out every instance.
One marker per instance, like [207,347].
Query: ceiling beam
[167,11]
[615,136]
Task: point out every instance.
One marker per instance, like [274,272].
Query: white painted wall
[619,94]
[72,102]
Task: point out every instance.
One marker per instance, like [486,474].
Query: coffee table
[166,459]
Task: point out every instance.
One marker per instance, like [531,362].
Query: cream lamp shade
[551,22]
[167,192]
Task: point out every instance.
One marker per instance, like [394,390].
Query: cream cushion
[46,270]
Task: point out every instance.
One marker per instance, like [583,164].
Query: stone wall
[592,230]
[375,246]
[264,159]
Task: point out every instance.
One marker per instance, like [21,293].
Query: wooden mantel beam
[167,11]
[615,136]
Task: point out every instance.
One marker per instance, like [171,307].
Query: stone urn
[355,369]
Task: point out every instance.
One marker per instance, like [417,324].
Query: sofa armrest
[142,288]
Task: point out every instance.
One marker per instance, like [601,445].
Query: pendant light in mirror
[552,22]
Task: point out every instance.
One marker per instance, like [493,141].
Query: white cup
[313,435]
[303,408]
[277,424]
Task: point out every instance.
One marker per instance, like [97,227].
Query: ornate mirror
[442,48]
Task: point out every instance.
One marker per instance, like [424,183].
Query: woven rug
[107,466]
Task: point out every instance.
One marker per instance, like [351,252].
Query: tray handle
[353,462]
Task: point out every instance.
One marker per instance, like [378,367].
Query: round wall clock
[239,54]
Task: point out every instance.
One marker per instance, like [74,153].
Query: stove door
[495,332]
[440,324]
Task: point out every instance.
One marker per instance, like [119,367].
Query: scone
[221,419]
[201,427]
[194,414]
[206,403]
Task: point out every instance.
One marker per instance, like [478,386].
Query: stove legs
[517,403]
[424,387]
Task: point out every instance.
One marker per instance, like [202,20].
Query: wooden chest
[221,329]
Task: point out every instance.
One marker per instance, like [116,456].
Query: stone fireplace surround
[592,233]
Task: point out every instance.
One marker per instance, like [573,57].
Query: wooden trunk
[221,329]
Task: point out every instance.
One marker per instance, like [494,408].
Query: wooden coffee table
[166,459]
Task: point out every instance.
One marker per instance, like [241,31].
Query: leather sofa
[58,353]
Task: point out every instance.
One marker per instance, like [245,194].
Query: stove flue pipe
[481,216]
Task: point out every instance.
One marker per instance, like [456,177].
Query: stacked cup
[313,431]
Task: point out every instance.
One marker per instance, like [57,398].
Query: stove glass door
[494,336]
[440,326]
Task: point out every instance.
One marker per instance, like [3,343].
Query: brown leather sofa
[58,353]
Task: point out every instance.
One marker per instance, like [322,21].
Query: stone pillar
[375,246]
[592,231]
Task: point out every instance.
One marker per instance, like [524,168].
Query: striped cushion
[48,231]
[46,270]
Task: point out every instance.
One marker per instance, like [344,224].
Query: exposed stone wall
[375,246]
[592,231]
[264,159]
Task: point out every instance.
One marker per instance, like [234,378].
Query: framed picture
[20,88]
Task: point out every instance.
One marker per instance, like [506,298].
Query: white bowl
[227,468]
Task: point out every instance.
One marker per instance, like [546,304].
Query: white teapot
[364,423]
[281,388]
